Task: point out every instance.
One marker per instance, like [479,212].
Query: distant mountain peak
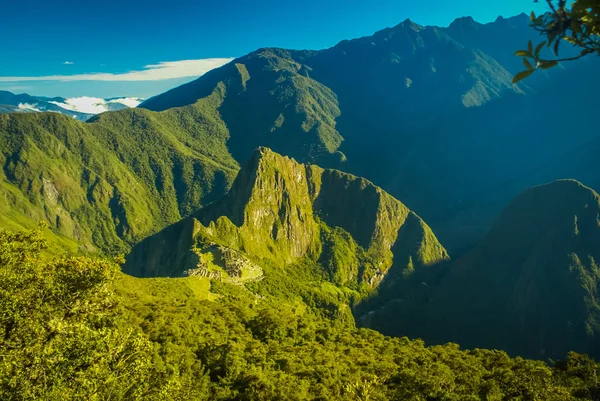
[464,20]
[522,16]
[464,23]
[521,19]
[409,24]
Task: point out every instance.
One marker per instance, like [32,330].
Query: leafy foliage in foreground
[76,329]
[58,325]
[577,24]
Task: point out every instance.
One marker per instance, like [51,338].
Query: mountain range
[80,108]
[250,176]
[428,113]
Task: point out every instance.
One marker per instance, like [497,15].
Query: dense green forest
[76,328]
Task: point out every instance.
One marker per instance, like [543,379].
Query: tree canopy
[59,337]
[76,328]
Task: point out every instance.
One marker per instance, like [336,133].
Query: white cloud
[128,101]
[27,107]
[153,72]
[84,104]
[68,63]
[94,105]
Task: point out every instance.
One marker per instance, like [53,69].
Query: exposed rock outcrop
[279,211]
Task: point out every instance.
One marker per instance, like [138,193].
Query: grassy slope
[111,182]
[271,101]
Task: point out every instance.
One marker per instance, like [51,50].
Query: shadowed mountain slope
[530,287]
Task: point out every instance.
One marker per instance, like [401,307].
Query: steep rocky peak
[407,24]
[522,18]
[271,171]
[258,156]
[279,210]
[518,21]
[464,21]
[268,211]
[339,199]
[263,154]
[465,26]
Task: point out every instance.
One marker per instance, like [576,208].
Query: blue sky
[62,42]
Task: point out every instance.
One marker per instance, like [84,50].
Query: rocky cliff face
[279,211]
[268,212]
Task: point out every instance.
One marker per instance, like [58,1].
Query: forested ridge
[76,328]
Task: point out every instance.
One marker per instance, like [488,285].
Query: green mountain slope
[290,100]
[271,101]
[427,113]
[530,287]
[279,212]
[114,180]
[269,348]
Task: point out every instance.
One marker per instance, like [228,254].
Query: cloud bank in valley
[94,105]
[27,107]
